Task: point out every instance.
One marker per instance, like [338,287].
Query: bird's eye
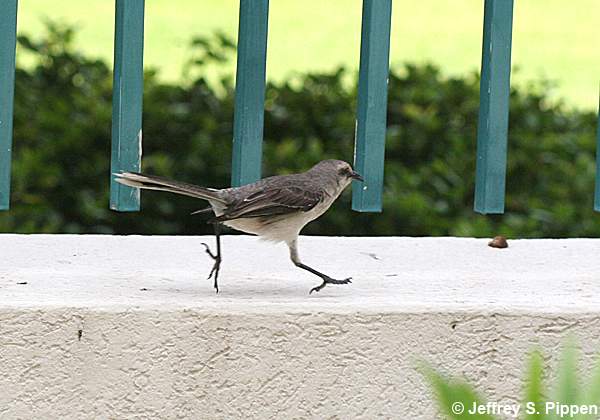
[344,172]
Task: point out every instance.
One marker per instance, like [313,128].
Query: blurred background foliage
[61,153]
[575,394]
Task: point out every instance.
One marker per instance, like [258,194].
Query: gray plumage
[275,208]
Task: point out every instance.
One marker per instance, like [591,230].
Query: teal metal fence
[128,87]
[249,101]
[8,39]
[492,131]
[250,76]
[597,193]
[369,151]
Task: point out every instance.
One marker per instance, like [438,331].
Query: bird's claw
[216,267]
[208,251]
[329,280]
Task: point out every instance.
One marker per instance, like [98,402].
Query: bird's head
[341,171]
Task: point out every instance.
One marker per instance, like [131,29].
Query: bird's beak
[356,175]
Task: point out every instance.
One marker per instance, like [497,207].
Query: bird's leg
[326,279]
[217,257]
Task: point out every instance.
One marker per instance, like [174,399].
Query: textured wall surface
[124,327]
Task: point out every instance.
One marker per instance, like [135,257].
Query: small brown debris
[498,242]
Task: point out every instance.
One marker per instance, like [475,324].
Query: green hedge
[62,148]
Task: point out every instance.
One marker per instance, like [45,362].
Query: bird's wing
[272,201]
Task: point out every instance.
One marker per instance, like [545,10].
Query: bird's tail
[151,182]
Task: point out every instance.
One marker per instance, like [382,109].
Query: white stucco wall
[263,347]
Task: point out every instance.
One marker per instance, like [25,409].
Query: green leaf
[591,395]
[567,385]
[455,397]
[534,392]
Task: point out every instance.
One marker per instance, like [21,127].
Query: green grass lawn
[553,39]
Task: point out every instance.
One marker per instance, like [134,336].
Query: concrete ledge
[81,339]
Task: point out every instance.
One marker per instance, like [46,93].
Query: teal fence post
[8,38]
[492,130]
[128,86]
[248,119]
[369,153]
[597,194]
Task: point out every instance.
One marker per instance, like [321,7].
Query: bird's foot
[216,267]
[329,280]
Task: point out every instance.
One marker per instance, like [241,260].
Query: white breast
[280,228]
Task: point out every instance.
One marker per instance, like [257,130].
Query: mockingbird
[275,208]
